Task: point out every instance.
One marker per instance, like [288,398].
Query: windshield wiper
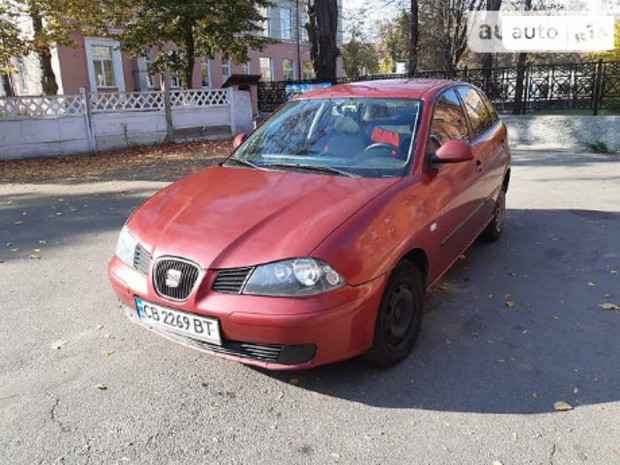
[322,169]
[244,163]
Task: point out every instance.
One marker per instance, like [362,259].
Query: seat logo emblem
[173,278]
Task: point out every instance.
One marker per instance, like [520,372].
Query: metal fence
[583,86]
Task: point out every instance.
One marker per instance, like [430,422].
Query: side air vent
[231,281]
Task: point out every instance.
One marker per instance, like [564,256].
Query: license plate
[182,323]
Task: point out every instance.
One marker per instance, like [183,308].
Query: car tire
[399,317]
[495,228]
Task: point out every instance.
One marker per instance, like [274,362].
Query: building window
[175,81]
[288,69]
[265,24]
[245,68]
[303,32]
[206,74]
[226,67]
[21,76]
[266,69]
[103,66]
[148,59]
[285,24]
[308,70]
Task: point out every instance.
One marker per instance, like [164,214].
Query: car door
[488,137]
[453,186]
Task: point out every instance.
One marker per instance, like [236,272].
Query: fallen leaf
[576,390]
[59,213]
[43,242]
[35,257]
[607,296]
[609,306]
[510,304]
[614,271]
[497,462]
[101,387]
[19,223]
[9,244]
[294,381]
[561,406]
[462,257]
[507,296]
[15,250]
[107,353]
[24,213]
[36,250]
[591,284]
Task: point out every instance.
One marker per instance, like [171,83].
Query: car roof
[389,88]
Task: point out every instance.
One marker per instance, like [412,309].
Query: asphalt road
[479,387]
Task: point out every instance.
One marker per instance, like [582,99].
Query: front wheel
[399,317]
[495,228]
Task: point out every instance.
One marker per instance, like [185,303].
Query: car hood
[224,217]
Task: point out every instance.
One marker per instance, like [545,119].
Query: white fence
[89,122]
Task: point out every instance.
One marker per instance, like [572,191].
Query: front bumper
[270,332]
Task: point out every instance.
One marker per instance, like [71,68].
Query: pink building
[99,65]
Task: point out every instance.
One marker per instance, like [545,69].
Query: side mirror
[238,140]
[453,151]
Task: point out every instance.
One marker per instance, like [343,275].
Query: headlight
[291,278]
[126,246]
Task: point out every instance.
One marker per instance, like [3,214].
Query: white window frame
[307,76]
[286,25]
[117,62]
[292,70]
[207,65]
[20,69]
[148,59]
[246,68]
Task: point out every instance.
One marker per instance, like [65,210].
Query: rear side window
[449,122]
[490,107]
[479,116]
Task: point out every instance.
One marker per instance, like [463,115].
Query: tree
[395,38]
[359,57]
[450,31]
[54,21]
[322,30]
[487,58]
[187,31]
[12,43]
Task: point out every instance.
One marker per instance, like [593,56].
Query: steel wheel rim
[399,316]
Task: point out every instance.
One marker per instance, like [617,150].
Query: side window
[448,123]
[490,107]
[479,116]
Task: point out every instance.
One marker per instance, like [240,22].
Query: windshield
[368,137]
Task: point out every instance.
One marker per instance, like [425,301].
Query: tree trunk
[322,32]
[487,58]
[414,39]
[190,49]
[7,85]
[520,85]
[48,78]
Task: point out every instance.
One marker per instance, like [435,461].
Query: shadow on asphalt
[476,354]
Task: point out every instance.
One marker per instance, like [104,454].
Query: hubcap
[399,316]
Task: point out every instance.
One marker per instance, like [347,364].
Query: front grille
[231,281]
[141,259]
[188,276]
[270,353]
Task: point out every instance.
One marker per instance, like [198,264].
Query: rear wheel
[399,317]
[495,228]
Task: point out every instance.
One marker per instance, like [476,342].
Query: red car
[316,240]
